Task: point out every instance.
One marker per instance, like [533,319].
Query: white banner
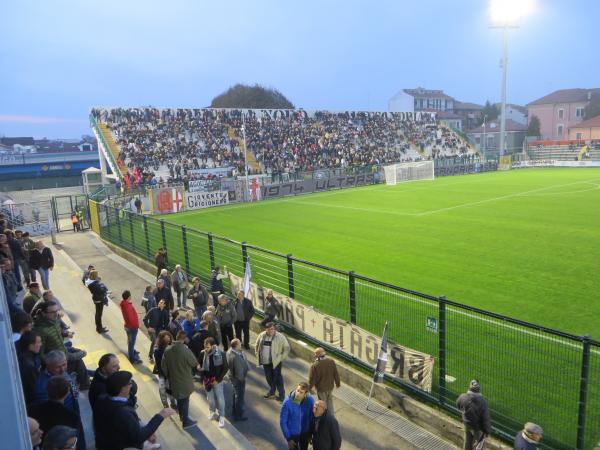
[408,365]
[199,200]
[586,163]
[196,185]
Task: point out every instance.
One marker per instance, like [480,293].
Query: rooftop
[589,123]
[494,127]
[422,92]
[566,96]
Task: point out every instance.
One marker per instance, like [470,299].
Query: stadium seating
[167,143]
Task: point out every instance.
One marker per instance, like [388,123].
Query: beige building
[588,130]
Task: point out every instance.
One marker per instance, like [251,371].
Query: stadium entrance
[63,208]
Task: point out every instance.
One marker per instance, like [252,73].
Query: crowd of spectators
[182,140]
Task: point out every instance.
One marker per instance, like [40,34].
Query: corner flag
[382,358]
[247,277]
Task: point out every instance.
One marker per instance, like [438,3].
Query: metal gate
[63,207]
[33,217]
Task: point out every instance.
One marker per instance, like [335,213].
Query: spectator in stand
[156,320]
[160,261]
[238,369]
[226,316]
[48,326]
[53,411]
[325,431]
[199,296]
[34,295]
[17,255]
[30,363]
[216,283]
[272,308]
[20,323]
[272,348]
[35,432]
[179,281]
[162,292]
[213,370]
[148,299]
[25,261]
[11,287]
[132,324]
[99,296]
[475,415]
[529,437]
[175,324]
[164,275]
[296,417]
[86,274]
[196,344]
[117,425]
[191,325]
[244,312]
[213,325]
[163,340]
[177,364]
[60,438]
[42,260]
[324,375]
[29,247]
[107,365]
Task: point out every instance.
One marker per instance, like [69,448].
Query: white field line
[503,197]
[353,208]
[523,330]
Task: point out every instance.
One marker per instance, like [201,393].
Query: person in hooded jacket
[296,417]
[99,297]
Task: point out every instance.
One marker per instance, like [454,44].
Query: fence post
[164,240]
[211,251]
[583,388]
[131,231]
[185,249]
[442,350]
[244,254]
[119,217]
[107,221]
[352,287]
[290,276]
[146,237]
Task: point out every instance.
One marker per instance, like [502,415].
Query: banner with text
[405,364]
[317,185]
[197,200]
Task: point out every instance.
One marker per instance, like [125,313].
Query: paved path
[377,429]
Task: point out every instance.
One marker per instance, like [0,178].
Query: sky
[60,58]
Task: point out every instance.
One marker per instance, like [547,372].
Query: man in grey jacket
[475,415]
[226,316]
[238,368]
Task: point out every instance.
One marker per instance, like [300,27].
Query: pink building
[560,111]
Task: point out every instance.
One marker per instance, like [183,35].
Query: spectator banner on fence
[318,185]
[166,200]
[405,364]
[197,185]
[199,200]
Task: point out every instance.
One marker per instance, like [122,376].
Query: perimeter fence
[527,372]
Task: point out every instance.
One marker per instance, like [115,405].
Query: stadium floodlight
[410,171]
[507,14]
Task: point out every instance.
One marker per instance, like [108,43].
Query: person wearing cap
[116,424]
[475,415]
[528,438]
[60,437]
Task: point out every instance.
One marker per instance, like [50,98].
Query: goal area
[410,171]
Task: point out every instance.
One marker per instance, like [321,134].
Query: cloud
[15,118]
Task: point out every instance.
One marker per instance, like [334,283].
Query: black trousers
[226,335]
[243,327]
[98,317]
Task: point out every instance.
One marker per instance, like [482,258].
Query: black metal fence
[527,372]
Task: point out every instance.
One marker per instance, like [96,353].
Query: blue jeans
[239,389]
[131,336]
[274,379]
[216,399]
[45,277]
[183,407]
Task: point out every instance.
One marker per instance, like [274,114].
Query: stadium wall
[530,373]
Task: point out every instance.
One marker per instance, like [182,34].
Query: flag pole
[370,393]
[381,363]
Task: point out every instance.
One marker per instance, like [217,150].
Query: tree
[489,111]
[243,96]
[593,107]
[534,127]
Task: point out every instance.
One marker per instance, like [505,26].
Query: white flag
[247,277]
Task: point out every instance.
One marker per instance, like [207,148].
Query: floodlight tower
[506,14]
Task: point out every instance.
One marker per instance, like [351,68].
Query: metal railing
[528,372]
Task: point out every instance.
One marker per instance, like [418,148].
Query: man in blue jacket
[296,417]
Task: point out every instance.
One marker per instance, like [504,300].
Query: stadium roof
[590,123]
[494,127]
[566,96]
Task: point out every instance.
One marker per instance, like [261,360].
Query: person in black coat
[163,292]
[53,412]
[30,363]
[196,345]
[325,429]
[99,297]
[244,312]
[42,260]
[475,415]
[116,423]
[156,320]
[108,364]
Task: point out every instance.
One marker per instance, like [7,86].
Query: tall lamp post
[245,151]
[506,14]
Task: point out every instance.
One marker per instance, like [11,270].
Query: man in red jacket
[132,325]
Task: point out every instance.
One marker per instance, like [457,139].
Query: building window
[579,112]
[561,113]
[559,130]
[421,102]
[578,136]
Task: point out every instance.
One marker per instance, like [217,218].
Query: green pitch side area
[521,243]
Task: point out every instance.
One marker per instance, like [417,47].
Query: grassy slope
[520,243]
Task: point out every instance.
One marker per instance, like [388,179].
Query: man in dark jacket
[107,365]
[162,292]
[199,296]
[214,368]
[99,297]
[475,415]
[244,313]
[529,438]
[42,260]
[117,425]
[272,308]
[325,429]
[156,320]
[196,345]
[226,316]
[238,369]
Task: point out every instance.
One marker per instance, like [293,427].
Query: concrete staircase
[252,163]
